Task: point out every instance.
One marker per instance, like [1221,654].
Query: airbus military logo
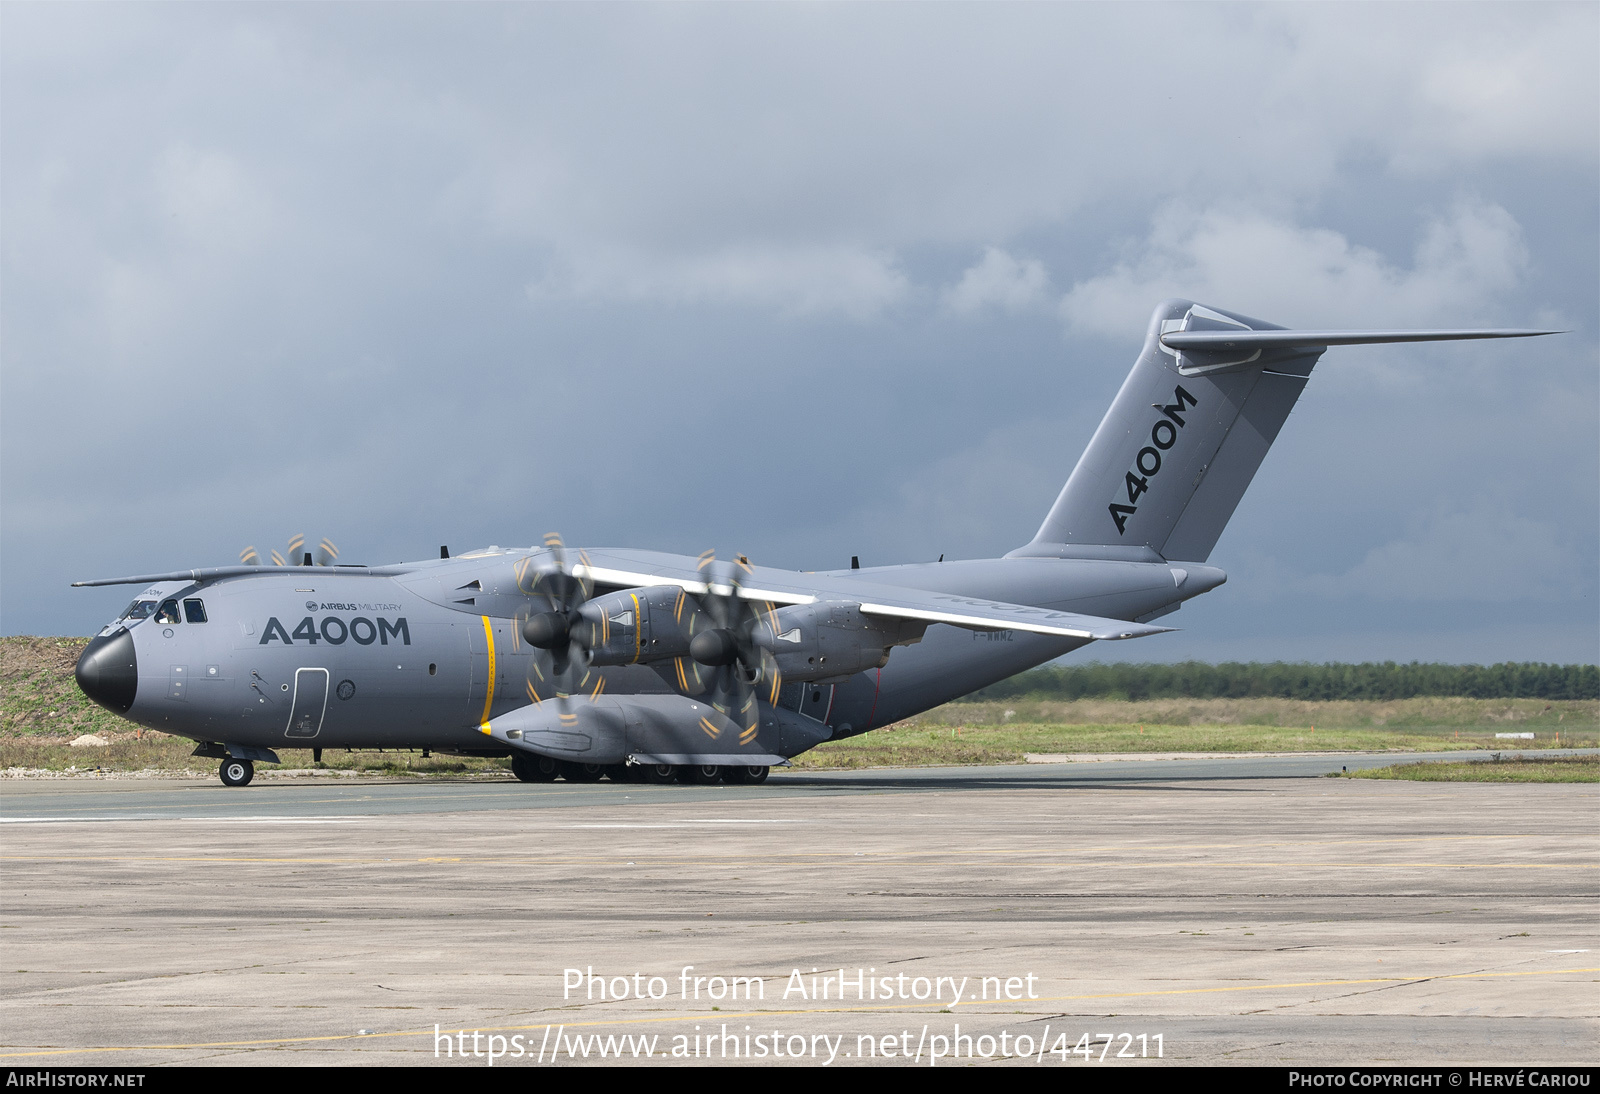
[311,605]
[1163,435]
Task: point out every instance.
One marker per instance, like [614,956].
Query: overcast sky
[805,281]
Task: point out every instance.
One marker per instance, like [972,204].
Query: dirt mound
[38,693]
[26,656]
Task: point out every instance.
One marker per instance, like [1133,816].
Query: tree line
[1288,680]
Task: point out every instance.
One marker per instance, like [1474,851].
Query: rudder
[1191,425]
[1181,442]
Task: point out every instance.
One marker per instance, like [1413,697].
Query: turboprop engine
[636,627]
[832,640]
[818,642]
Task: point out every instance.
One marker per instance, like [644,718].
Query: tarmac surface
[1078,914]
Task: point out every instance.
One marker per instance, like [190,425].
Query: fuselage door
[310,703]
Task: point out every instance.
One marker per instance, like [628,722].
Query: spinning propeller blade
[562,633]
[294,555]
[724,641]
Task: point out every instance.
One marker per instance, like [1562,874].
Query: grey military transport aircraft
[639,665]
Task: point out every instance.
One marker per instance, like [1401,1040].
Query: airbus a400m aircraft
[583,663]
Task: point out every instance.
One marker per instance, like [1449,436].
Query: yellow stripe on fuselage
[488,692]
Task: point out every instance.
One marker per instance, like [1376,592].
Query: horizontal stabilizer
[1211,350]
[1190,427]
[1279,339]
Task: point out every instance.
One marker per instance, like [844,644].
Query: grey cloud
[412,274]
[1464,265]
[796,281]
[1001,281]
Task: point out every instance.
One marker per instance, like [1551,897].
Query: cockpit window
[194,611]
[139,609]
[168,612]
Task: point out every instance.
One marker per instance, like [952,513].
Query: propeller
[295,554]
[724,642]
[562,633]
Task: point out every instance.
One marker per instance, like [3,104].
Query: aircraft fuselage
[317,658]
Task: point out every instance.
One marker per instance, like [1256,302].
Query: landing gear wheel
[700,774]
[237,772]
[746,774]
[533,769]
[580,773]
[659,774]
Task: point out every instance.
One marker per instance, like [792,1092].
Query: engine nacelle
[832,640]
[827,641]
[638,626]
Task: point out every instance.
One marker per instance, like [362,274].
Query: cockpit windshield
[139,609]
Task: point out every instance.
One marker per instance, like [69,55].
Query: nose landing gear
[237,772]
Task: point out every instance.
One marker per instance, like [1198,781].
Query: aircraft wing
[214,573]
[695,586]
[973,613]
[992,615]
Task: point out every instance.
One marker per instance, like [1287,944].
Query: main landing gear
[735,774]
[534,769]
[710,774]
[237,772]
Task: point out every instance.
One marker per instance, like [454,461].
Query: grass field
[39,693]
[42,710]
[942,737]
[1426,715]
[1555,769]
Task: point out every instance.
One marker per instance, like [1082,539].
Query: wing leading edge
[896,603]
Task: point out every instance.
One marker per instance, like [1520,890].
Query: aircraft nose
[108,671]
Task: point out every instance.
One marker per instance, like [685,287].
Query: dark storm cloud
[804,281]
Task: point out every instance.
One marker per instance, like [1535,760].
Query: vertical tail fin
[1189,428]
